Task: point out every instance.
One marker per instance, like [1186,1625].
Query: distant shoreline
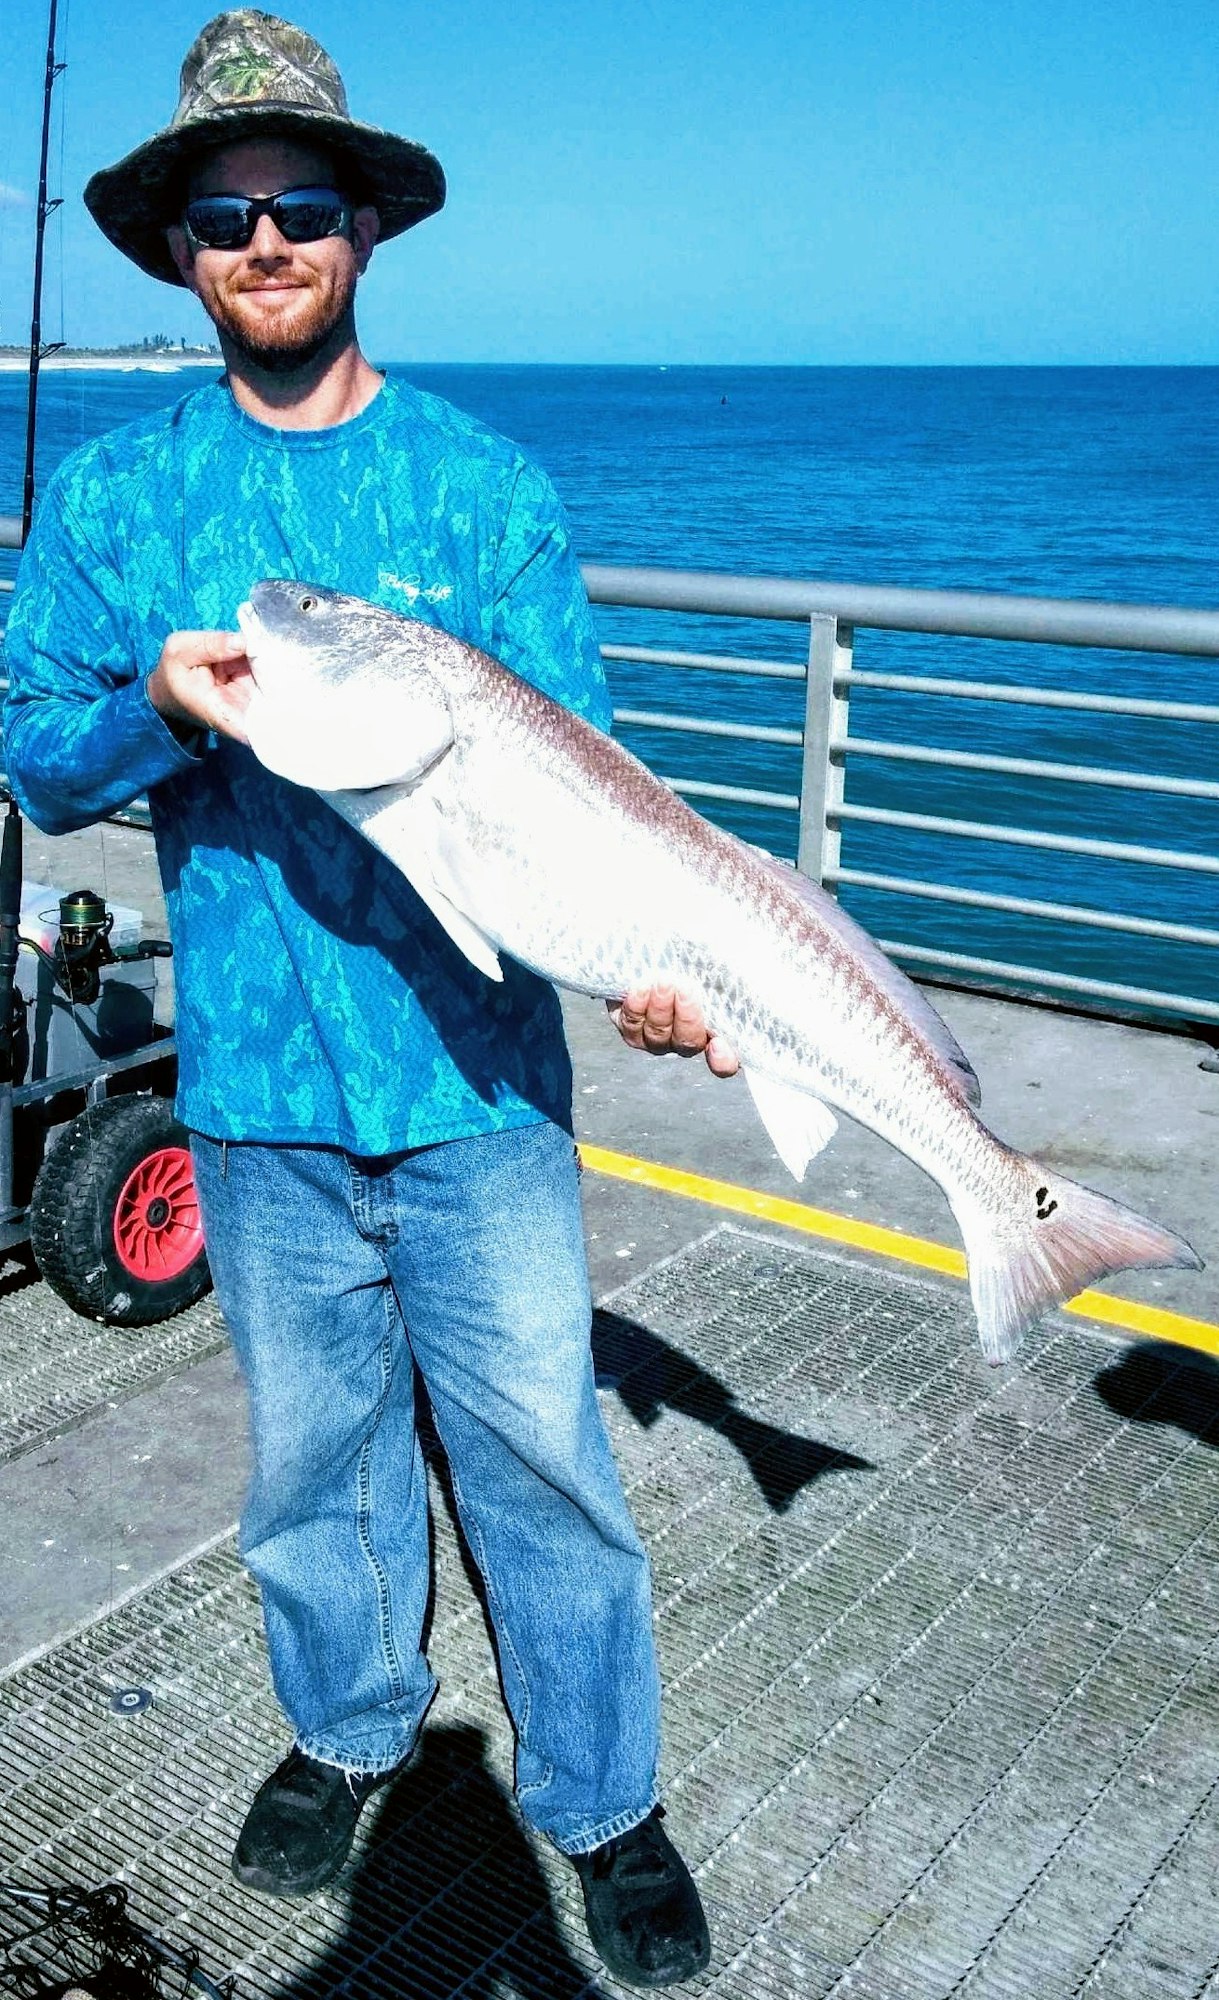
[172,361]
[167,362]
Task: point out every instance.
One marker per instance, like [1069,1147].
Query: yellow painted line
[1131,1316]
[1128,1315]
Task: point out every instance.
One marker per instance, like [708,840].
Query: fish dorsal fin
[400,821]
[937,1036]
[799,1125]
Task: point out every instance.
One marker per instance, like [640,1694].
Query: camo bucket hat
[250,75]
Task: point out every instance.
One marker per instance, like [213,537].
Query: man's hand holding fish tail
[355,1086]
[667,1022]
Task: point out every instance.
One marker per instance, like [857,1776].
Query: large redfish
[525,830]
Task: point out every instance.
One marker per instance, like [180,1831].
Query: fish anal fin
[800,1126]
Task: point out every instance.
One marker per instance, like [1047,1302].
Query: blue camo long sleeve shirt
[318,1001]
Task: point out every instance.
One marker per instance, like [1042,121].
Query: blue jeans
[467,1258]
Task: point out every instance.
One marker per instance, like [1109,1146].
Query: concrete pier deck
[939,1641]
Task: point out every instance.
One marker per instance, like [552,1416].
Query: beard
[281,342]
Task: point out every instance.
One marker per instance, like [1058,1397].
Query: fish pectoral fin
[800,1126]
[401,821]
[465,935]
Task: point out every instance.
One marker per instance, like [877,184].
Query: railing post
[830,652]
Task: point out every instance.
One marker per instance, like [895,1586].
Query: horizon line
[198,355]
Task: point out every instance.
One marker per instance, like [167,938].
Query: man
[381,1138]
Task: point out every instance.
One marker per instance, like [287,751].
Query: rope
[82,1943]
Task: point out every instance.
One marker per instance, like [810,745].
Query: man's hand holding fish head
[203,681]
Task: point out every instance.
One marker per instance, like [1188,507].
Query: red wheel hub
[157,1231]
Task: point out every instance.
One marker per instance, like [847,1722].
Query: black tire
[73,1211]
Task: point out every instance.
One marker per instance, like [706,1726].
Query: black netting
[63,1943]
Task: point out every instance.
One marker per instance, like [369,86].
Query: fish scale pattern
[939,1647]
[318,1001]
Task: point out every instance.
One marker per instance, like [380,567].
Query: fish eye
[308,604]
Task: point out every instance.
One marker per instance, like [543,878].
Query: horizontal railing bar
[968,614]
[1028,767]
[1062,982]
[746,732]
[1085,704]
[697,788]
[1054,621]
[1015,836]
[157,1051]
[1024,906]
[719,663]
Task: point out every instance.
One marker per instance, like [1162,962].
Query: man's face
[277,302]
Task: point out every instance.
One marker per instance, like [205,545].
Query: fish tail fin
[1063,1238]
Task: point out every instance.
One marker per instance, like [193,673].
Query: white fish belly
[552,872]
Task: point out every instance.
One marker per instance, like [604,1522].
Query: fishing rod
[10,921]
[10,850]
[39,352]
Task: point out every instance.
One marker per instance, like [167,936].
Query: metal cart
[95,1169]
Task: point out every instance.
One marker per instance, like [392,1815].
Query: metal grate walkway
[57,1370]
[940,1650]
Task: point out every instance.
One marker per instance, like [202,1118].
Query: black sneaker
[299,1829]
[643,1910]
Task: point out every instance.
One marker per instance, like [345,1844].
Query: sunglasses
[301,215]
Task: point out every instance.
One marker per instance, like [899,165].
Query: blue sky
[785,181]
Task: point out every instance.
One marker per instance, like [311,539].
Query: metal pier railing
[831,614]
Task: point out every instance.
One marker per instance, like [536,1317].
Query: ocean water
[1063,482]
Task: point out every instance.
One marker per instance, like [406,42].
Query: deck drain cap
[130,1701]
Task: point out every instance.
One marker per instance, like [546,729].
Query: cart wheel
[114,1218]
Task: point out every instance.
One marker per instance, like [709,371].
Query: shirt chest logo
[412,588]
